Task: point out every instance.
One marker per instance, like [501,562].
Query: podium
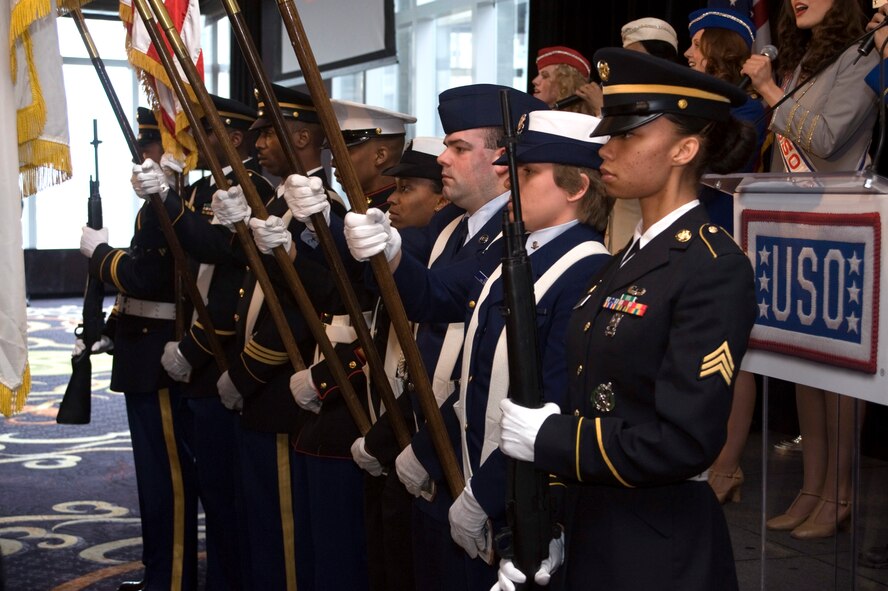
[815,244]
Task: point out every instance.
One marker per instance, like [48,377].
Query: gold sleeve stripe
[114,263]
[604,455]
[197,342]
[810,137]
[223,333]
[265,355]
[102,265]
[246,367]
[577,448]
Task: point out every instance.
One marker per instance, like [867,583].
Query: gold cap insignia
[603,70]
[521,123]
[683,235]
[682,104]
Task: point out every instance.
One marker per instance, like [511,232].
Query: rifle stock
[527,507]
[76,403]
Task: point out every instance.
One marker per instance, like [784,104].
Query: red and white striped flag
[185,14]
[760,18]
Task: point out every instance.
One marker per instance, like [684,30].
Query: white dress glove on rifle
[148,178]
[230,207]
[90,239]
[370,234]
[270,233]
[363,459]
[175,363]
[103,345]
[509,574]
[231,398]
[468,524]
[411,472]
[304,392]
[306,196]
[520,426]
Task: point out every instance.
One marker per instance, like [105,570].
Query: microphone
[566,102]
[866,46]
[770,52]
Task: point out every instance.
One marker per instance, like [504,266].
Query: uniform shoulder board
[718,240]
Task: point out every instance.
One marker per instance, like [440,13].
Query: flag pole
[166,225]
[325,237]
[388,289]
[310,315]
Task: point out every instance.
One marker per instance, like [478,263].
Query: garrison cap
[551,56]
[419,160]
[360,123]
[648,29]
[722,18]
[639,87]
[149,130]
[557,137]
[234,114]
[294,105]
[478,105]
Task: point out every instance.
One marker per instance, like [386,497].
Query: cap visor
[413,171]
[260,123]
[621,123]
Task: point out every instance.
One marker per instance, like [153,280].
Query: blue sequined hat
[478,105]
[557,137]
[638,88]
[722,18]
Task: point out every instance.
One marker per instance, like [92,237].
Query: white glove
[231,398]
[269,233]
[509,574]
[103,345]
[468,524]
[175,363]
[90,239]
[370,234]
[411,472]
[230,207]
[520,426]
[306,196]
[171,168]
[148,178]
[304,392]
[363,458]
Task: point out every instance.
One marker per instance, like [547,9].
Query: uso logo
[817,285]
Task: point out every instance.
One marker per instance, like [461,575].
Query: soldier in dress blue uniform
[142,321]
[190,361]
[653,348]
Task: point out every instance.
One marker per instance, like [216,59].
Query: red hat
[550,56]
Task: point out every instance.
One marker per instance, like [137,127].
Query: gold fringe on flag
[13,401]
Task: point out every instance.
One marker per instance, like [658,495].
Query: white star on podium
[853,323]
[853,293]
[854,262]
[763,309]
[764,281]
[763,255]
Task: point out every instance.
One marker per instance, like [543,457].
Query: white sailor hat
[557,137]
[360,123]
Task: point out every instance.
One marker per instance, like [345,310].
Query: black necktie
[636,246]
[459,235]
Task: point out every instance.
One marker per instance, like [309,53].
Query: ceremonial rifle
[528,511]
[76,403]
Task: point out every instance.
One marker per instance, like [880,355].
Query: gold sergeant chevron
[719,361]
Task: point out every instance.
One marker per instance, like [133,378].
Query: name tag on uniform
[481,277]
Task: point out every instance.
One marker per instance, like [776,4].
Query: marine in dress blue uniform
[653,348]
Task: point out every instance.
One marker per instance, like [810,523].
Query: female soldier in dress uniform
[653,348]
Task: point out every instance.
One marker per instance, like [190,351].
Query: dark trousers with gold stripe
[266,479]
[160,425]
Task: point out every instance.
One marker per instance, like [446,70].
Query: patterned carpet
[69,515]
